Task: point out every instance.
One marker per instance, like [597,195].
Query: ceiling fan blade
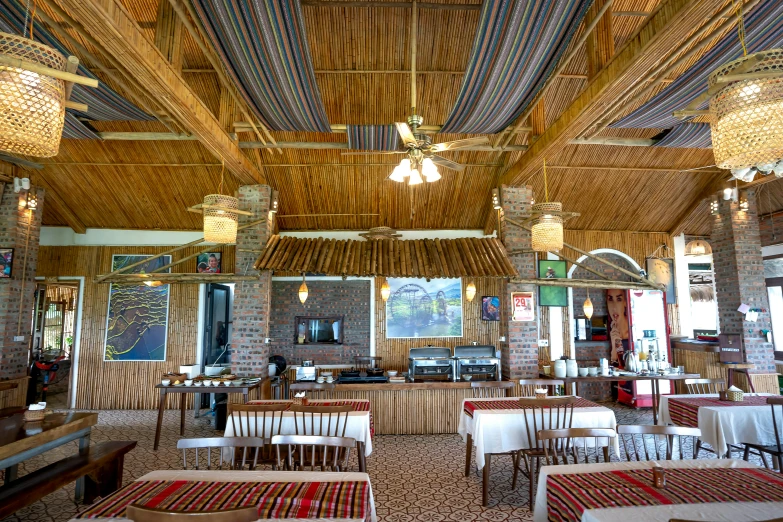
[370,153]
[443,162]
[459,144]
[406,134]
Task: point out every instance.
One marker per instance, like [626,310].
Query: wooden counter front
[414,408]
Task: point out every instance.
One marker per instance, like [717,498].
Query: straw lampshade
[747,126]
[220,224]
[697,247]
[547,232]
[470,291]
[32,105]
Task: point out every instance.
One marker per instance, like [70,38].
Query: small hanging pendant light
[470,292]
[385,290]
[588,306]
[303,293]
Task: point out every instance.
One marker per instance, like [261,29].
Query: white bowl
[215,383]
[467,377]
[188,382]
[213,371]
[206,382]
[330,379]
[165,382]
[592,372]
[198,383]
[320,380]
[228,383]
[392,373]
[327,374]
[582,372]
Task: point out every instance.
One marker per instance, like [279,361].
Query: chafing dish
[475,360]
[430,362]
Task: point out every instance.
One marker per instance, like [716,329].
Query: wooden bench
[101,465]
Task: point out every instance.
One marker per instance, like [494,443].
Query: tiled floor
[414,478]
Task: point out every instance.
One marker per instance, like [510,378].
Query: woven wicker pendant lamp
[32,105]
[221,215]
[547,231]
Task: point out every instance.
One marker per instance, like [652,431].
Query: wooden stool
[738,367]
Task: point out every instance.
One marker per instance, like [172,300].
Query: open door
[217,332]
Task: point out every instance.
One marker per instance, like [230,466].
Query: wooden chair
[258,420]
[528,386]
[776,450]
[562,440]
[705,386]
[228,449]
[630,434]
[327,421]
[560,414]
[144,514]
[299,451]
[314,390]
[490,389]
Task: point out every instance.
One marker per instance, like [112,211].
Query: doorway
[217,325]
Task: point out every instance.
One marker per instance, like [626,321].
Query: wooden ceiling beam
[115,29]
[342,128]
[660,35]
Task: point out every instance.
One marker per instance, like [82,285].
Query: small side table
[738,367]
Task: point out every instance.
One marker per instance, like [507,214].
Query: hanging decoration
[547,231]
[303,293]
[697,247]
[470,292]
[221,216]
[588,306]
[385,290]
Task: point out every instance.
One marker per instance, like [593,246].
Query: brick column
[249,354]
[19,229]
[520,353]
[739,278]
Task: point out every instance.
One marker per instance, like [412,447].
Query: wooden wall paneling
[125,384]
[16,396]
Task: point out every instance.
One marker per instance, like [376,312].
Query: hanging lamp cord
[741,27]
[222,170]
[546,187]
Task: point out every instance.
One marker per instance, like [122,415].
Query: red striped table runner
[568,496]
[513,404]
[684,411]
[357,406]
[274,499]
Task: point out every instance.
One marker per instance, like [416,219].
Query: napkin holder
[734,394]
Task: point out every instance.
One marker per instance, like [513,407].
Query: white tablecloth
[358,426]
[724,425]
[501,431]
[259,476]
[733,511]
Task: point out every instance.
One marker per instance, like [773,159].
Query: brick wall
[520,353]
[350,299]
[739,278]
[249,354]
[589,353]
[15,225]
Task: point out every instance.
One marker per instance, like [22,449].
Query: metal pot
[374,372]
[307,363]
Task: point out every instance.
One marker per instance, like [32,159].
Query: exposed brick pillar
[249,354]
[19,229]
[739,278]
[520,353]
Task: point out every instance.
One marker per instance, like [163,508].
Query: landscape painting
[421,308]
[137,320]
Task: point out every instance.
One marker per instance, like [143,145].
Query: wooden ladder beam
[109,22]
[660,36]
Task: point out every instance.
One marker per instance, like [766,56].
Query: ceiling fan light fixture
[397,174]
[429,170]
[415,178]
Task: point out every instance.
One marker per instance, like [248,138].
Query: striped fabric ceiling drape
[373,137]
[688,136]
[103,103]
[263,46]
[763,30]
[517,45]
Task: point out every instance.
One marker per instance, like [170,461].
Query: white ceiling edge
[64,236]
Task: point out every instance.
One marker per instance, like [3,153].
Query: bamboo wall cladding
[124,384]
[395,351]
[17,396]
[707,364]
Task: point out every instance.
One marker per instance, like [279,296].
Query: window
[319,330]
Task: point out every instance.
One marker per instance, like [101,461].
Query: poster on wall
[522,308]
[208,263]
[617,324]
[421,308]
[137,319]
[490,308]
[552,295]
[661,271]
[6,261]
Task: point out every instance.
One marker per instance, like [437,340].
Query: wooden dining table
[295,496]
[21,440]
[715,490]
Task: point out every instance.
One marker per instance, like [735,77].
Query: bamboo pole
[585,283]
[580,265]
[8,61]
[178,278]
[414,29]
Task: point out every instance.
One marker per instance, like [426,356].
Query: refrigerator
[648,326]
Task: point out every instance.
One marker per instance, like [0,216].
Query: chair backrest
[327,421]
[490,389]
[528,386]
[553,413]
[705,386]
[144,514]
[776,425]
[559,443]
[300,451]
[227,450]
[637,440]
[257,420]
[314,390]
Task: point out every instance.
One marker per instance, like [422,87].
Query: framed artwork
[138,316]
[208,263]
[490,308]
[522,306]
[552,295]
[6,262]
[661,271]
[421,308]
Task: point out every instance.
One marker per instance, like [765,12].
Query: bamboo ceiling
[361,57]
[428,258]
